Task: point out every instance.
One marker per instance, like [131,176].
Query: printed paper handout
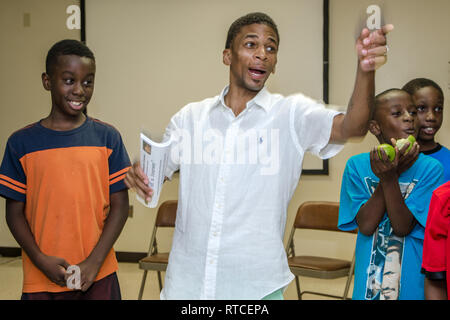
[154,158]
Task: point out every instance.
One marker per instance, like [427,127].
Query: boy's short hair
[379,96]
[416,84]
[250,18]
[66,47]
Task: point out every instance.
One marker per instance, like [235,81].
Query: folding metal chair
[318,215]
[157,261]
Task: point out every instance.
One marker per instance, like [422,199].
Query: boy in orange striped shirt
[62,177]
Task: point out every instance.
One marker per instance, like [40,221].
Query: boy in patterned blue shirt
[388,201]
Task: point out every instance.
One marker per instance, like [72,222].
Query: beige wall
[153,57]
[22,60]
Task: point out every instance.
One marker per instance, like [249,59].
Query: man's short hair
[66,47]
[250,18]
[416,84]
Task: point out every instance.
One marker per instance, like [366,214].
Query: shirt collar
[262,99]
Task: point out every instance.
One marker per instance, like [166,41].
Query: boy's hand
[88,271]
[54,268]
[372,49]
[138,181]
[406,159]
[384,168]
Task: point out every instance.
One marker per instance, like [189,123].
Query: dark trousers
[104,289]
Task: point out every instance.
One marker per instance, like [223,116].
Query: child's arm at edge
[114,224]
[435,289]
[53,267]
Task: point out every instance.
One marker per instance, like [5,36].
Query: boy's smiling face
[395,117]
[71,84]
[252,56]
[430,107]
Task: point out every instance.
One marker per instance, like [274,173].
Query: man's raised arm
[372,53]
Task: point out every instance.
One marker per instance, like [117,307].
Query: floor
[130,280]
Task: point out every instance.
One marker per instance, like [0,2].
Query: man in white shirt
[240,159]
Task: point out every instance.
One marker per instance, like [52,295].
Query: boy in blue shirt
[388,201]
[428,97]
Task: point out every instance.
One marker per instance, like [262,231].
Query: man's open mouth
[257,73]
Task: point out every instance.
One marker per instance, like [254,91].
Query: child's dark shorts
[103,289]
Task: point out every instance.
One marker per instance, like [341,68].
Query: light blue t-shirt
[416,185]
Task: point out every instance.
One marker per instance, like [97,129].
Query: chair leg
[297,283]
[349,278]
[159,281]
[141,290]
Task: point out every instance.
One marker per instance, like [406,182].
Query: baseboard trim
[122,256]
[10,252]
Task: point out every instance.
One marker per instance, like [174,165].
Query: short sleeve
[436,234]
[13,182]
[353,195]
[119,164]
[311,124]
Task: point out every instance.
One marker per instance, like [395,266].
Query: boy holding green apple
[387,200]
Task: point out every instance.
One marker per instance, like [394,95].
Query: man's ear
[374,128]
[46,81]
[227,57]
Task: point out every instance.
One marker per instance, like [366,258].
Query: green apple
[401,142]
[388,149]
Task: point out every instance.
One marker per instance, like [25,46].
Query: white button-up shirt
[237,176]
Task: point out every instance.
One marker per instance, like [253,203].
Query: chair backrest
[318,215]
[165,217]
[167,213]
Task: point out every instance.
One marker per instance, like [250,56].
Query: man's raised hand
[372,48]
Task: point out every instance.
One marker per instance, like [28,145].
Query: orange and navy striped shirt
[65,179]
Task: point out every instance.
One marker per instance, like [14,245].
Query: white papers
[154,158]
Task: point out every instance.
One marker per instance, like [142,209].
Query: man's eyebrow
[254,35]
[273,40]
[251,35]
